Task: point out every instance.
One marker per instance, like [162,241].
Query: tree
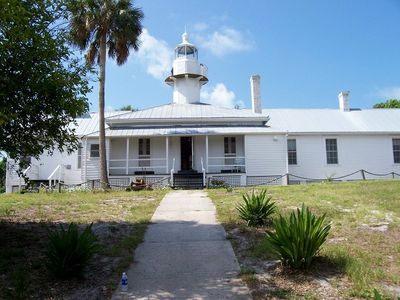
[128,108]
[42,85]
[96,25]
[391,103]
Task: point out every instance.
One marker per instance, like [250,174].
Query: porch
[138,156]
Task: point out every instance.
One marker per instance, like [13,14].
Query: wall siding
[369,152]
[264,155]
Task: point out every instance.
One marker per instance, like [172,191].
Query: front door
[186,153]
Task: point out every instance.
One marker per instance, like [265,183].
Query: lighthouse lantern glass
[186,52]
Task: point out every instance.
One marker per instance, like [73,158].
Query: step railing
[172,172]
[58,173]
[203,171]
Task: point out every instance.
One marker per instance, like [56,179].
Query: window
[230,145]
[331,151]
[292,152]
[230,150]
[144,152]
[396,151]
[94,150]
[79,155]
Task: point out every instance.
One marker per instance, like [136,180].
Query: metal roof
[211,130]
[174,112]
[334,120]
[293,121]
[90,122]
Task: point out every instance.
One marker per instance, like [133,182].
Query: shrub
[256,208]
[69,251]
[298,238]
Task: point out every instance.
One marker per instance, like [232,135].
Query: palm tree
[96,25]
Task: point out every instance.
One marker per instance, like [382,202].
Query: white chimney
[255,94]
[344,101]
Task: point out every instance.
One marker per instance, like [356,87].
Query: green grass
[119,219]
[366,258]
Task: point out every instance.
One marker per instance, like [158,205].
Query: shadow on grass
[23,269]
[185,260]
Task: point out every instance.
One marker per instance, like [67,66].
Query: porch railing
[227,164]
[137,166]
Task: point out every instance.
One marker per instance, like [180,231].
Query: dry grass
[119,221]
[362,253]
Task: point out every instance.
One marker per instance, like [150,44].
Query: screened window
[230,145]
[230,150]
[396,151]
[80,155]
[331,151]
[144,152]
[94,150]
[292,152]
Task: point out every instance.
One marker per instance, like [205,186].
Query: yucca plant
[256,208]
[69,251]
[297,239]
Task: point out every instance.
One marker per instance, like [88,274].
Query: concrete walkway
[185,254]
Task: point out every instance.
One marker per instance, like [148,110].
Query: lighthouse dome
[186,49]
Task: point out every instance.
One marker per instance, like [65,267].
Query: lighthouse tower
[187,74]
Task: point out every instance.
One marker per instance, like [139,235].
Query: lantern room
[185,49]
[187,74]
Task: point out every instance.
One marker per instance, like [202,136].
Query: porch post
[86,159]
[207,153]
[127,156]
[166,154]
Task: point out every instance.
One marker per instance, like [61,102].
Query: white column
[207,153]
[127,156]
[166,154]
[86,159]
[193,152]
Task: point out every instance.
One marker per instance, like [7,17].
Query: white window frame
[394,151]
[79,156]
[331,151]
[145,153]
[292,152]
[91,151]
[229,154]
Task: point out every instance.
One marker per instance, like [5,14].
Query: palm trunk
[102,136]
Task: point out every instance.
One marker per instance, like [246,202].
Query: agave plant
[69,251]
[298,238]
[256,208]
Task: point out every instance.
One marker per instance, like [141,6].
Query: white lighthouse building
[186,143]
[187,74]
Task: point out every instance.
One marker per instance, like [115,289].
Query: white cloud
[389,92]
[155,55]
[220,96]
[201,26]
[226,40]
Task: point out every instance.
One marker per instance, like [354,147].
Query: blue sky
[305,51]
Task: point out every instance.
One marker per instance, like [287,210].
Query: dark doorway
[186,153]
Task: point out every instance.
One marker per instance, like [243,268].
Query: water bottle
[124,282]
